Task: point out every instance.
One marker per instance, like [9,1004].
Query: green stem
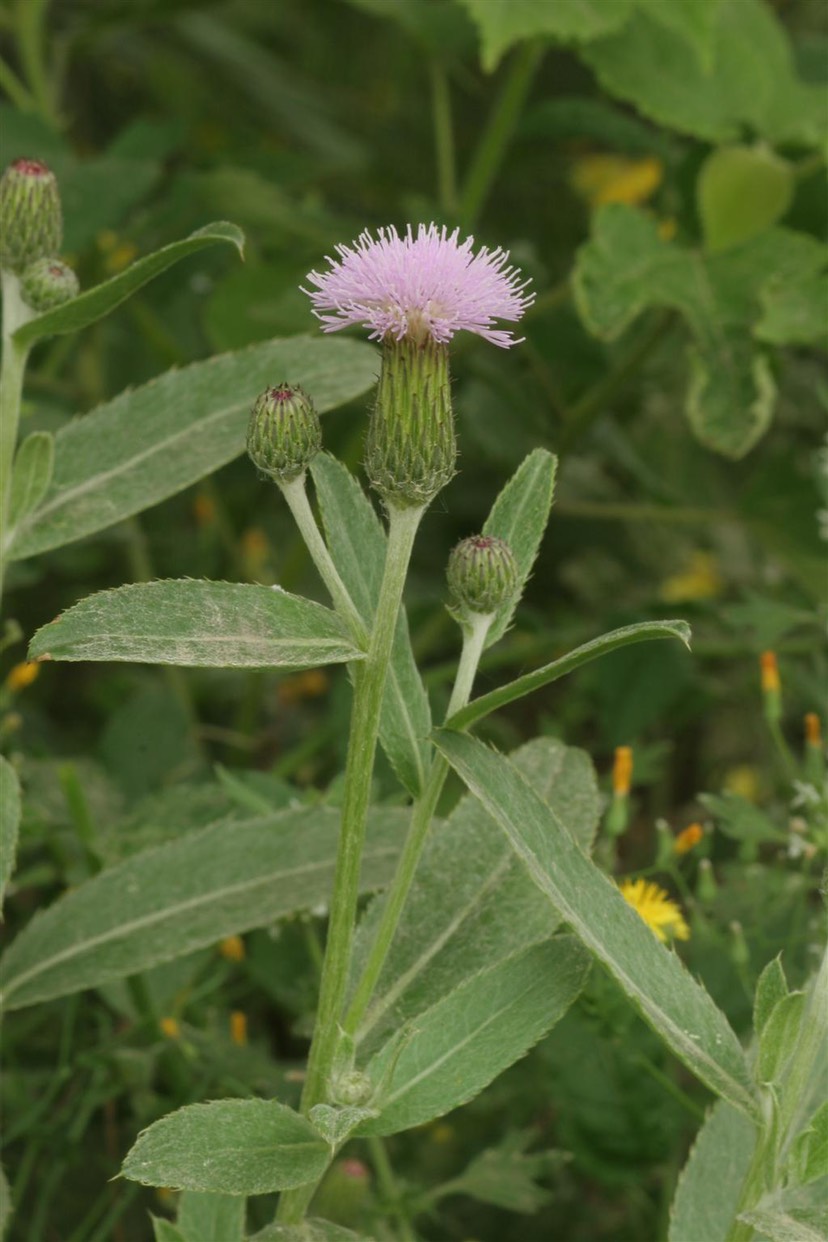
[443,139]
[499,129]
[12,370]
[474,637]
[369,685]
[297,499]
[387,1183]
[14,88]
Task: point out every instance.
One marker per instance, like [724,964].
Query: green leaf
[779,1037]
[231,1147]
[506,1176]
[198,624]
[742,191]
[792,1214]
[741,820]
[519,516]
[711,1181]
[34,462]
[749,80]
[310,1230]
[793,313]
[695,21]
[626,268]
[336,1124]
[151,442]
[165,1231]
[771,987]
[675,1005]
[169,901]
[501,25]
[210,1217]
[6,1206]
[95,303]
[644,631]
[472,903]
[10,808]
[809,1156]
[458,1046]
[357,544]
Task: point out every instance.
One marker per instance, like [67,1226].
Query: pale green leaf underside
[169,901]
[357,543]
[151,442]
[677,1007]
[645,631]
[95,303]
[33,466]
[711,1181]
[472,903]
[235,1147]
[792,1214]
[199,624]
[462,1043]
[9,822]
[210,1217]
[502,23]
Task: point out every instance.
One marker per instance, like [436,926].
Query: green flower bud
[48,283]
[351,1088]
[284,434]
[31,223]
[482,575]
[411,449]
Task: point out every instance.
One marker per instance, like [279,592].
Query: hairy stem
[12,370]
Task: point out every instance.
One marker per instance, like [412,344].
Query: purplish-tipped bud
[482,575]
[48,283]
[284,434]
[31,223]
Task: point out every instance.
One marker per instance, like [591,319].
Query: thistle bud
[482,575]
[31,224]
[411,450]
[48,283]
[284,434]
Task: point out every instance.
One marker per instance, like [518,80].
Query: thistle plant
[480,929]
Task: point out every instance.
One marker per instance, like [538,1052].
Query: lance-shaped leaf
[675,1005]
[643,632]
[519,516]
[711,1181]
[165,902]
[456,1048]
[33,465]
[232,1147]
[9,823]
[99,301]
[357,543]
[200,624]
[151,442]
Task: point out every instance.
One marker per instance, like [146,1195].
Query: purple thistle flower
[428,285]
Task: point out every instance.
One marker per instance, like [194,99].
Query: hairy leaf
[9,823]
[210,1217]
[710,1184]
[34,462]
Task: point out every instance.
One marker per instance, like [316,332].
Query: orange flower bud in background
[688,838]
[232,947]
[622,771]
[770,673]
[238,1027]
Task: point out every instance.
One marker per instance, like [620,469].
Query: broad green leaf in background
[507,1176]
[233,1147]
[472,903]
[771,988]
[809,1154]
[626,267]
[740,819]
[32,474]
[519,516]
[151,442]
[741,192]
[164,1230]
[644,631]
[210,1217]
[503,24]
[199,624]
[670,999]
[9,823]
[792,1214]
[750,80]
[794,313]
[171,900]
[99,301]
[695,21]
[458,1046]
[710,1184]
[357,543]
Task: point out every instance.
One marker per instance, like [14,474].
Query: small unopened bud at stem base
[48,283]
[482,575]
[284,434]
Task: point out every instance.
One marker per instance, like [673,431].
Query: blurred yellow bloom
[117,254]
[309,685]
[22,675]
[442,1133]
[606,178]
[238,1027]
[667,228]
[688,838]
[700,580]
[744,781]
[232,947]
[813,729]
[769,673]
[658,910]
[204,509]
[170,1027]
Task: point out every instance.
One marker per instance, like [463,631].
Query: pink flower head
[428,285]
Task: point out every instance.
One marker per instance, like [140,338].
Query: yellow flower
[769,672]
[658,910]
[170,1027]
[744,781]
[232,947]
[22,675]
[238,1027]
[118,254]
[605,178]
[688,838]
[699,580]
[622,770]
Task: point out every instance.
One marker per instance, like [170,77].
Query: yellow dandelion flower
[688,838]
[232,947]
[22,675]
[699,580]
[603,178]
[658,910]
[238,1027]
[170,1027]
